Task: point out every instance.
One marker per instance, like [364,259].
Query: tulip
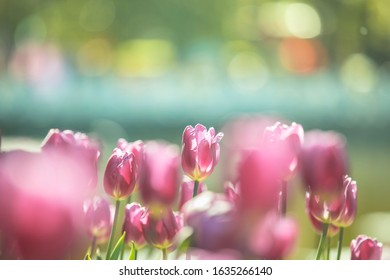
[159,178]
[323,162]
[366,248]
[120,174]
[213,219]
[285,143]
[132,225]
[341,211]
[41,202]
[200,151]
[98,218]
[273,237]
[160,228]
[187,190]
[259,182]
[77,145]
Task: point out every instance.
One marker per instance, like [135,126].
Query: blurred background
[145,69]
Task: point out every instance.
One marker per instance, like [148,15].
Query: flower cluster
[161,199]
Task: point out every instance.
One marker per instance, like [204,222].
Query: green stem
[196,186]
[328,248]
[123,250]
[322,240]
[135,253]
[164,253]
[283,199]
[112,236]
[340,243]
[93,247]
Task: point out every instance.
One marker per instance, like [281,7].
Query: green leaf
[87,257]
[132,252]
[118,248]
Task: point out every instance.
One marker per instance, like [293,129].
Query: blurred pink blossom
[159,178]
[274,237]
[98,219]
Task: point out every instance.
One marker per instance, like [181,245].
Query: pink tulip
[187,190]
[285,143]
[132,225]
[136,148]
[340,211]
[200,151]
[259,181]
[213,219]
[240,134]
[273,238]
[120,174]
[78,145]
[159,178]
[365,248]
[98,219]
[41,199]
[160,228]
[323,162]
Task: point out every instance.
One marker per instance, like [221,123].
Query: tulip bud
[323,162]
[159,176]
[187,190]
[200,151]
[98,219]
[160,228]
[366,248]
[274,237]
[120,174]
[285,143]
[213,219]
[132,225]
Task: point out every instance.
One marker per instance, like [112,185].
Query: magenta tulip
[159,178]
[120,174]
[187,190]
[41,202]
[160,228]
[366,248]
[340,211]
[323,162]
[98,219]
[200,151]
[132,225]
